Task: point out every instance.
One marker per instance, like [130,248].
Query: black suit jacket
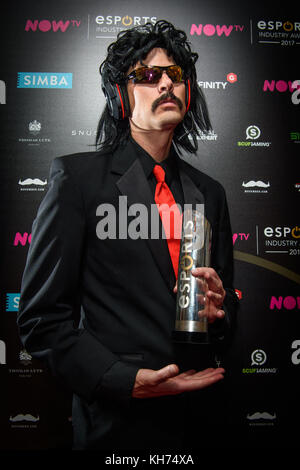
[124,287]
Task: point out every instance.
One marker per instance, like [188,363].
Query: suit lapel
[191,192]
[133,184]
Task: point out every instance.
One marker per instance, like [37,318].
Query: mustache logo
[259,415]
[169,95]
[259,184]
[35,181]
[21,417]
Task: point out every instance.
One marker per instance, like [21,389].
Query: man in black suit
[132,387]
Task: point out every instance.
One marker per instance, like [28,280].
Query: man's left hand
[214,293]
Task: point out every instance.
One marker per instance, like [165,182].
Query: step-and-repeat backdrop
[51,100]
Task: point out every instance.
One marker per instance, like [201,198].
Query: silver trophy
[191,324]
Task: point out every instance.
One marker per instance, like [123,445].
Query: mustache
[21,417]
[259,415]
[29,181]
[166,96]
[252,183]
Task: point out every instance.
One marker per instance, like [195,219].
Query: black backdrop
[50,102]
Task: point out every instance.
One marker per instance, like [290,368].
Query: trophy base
[189,337]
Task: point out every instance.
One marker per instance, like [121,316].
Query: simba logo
[212,30]
[12,302]
[46,25]
[44,80]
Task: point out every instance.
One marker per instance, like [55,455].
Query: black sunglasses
[153,74]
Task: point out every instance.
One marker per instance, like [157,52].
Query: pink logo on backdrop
[240,236]
[22,238]
[212,30]
[289,302]
[280,85]
[46,25]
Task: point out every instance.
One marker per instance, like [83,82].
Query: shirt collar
[148,163]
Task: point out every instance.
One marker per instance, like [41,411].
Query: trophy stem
[190,337]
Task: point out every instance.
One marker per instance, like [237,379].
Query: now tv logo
[46,25]
[212,30]
[22,239]
[239,236]
[289,302]
[281,85]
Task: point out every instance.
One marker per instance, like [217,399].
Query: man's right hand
[167,381]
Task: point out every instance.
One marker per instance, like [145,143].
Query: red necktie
[171,219]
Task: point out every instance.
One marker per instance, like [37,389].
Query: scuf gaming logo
[258,357]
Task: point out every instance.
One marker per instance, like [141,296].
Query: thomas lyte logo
[44,80]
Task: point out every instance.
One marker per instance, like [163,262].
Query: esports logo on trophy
[191,323]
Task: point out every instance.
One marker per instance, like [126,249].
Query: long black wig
[132,46]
